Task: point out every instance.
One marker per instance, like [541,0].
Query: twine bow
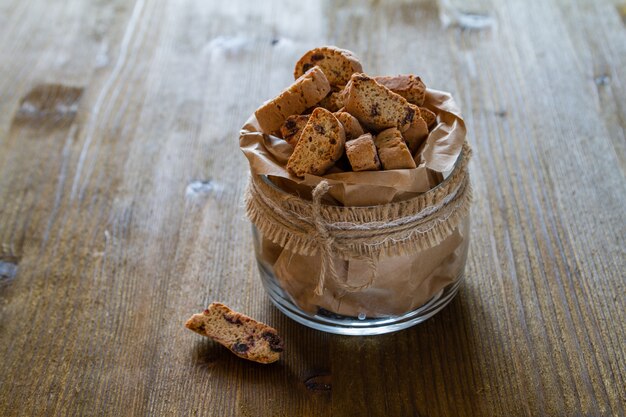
[323,238]
[326,241]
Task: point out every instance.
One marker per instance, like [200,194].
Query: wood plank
[121,214]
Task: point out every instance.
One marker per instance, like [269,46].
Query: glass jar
[405,290]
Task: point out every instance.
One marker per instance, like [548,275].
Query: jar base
[355,326]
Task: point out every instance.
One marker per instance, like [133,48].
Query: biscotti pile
[334,114]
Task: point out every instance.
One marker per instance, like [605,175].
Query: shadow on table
[443,366]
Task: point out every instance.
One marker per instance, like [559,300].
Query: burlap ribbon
[309,227]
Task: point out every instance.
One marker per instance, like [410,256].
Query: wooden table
[121,210]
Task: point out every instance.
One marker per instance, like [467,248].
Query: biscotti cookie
[429,117]
[392,151]
[337,64]
[292,128]
[350,124]
[242,335]
[362,154]
[416,133]
[333,101]
[320,145]
[408,86]
[305,92]
[376,107]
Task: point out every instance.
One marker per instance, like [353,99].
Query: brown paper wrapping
[401,283]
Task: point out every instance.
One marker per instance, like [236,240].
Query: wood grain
[121,211]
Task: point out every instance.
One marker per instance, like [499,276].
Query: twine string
[323,238]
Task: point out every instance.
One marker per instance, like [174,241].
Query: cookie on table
[375,106]
[320,146]
[392,150]
[350,124]
[408,86]
[429,117]
[338,64]
[305,92]
[292,128]
[242,335]
[362,154]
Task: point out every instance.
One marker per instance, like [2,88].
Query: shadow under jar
[411,279]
